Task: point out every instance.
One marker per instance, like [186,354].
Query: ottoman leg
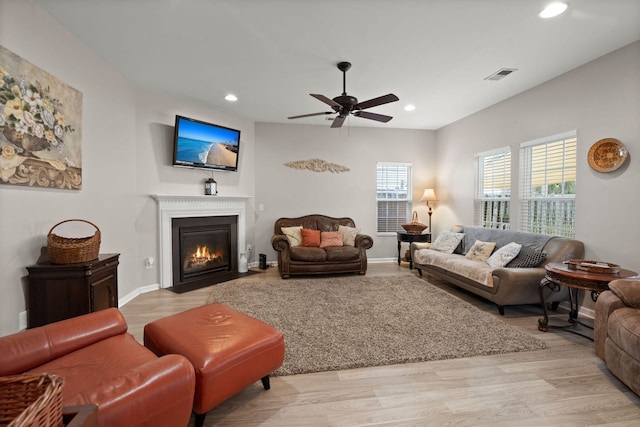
[200,419]
[265,382]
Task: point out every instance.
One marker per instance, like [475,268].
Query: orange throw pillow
[330,238]
[310,238]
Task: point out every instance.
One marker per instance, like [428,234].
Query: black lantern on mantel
[210,187]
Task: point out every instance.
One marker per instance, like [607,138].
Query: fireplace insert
[204,249]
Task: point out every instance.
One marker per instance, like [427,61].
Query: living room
[127,135]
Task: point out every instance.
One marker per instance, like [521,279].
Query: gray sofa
[504,285]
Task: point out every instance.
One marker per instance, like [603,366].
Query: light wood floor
[566,385]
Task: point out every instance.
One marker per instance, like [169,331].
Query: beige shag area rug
[337,323]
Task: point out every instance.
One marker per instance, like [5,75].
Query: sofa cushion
[504,255]
[302,253]
[447,242]
[348,235]
[480,251]
[527,258]
[293,235]
[310,238]
[458,264]
[330,239]
[343,253]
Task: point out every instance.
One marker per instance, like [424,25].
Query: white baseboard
[130,296]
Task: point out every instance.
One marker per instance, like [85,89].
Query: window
[548,185]
[393,196]
[493,188]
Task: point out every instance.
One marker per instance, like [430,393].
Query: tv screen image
[199,144]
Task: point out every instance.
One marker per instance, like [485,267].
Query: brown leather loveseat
[103,364]
[617,330]
[293,258]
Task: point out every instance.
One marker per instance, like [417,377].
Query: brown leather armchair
[303,260]
[617,330]
[103,364]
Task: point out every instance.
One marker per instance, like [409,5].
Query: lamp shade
[429,196]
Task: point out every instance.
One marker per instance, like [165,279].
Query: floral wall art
[40,127]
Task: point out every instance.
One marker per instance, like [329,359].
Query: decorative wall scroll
[40,127]
[317,165]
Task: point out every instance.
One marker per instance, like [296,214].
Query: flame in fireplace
[201,256]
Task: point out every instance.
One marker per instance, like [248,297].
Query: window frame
[498,206]
[408,200]
[537,204]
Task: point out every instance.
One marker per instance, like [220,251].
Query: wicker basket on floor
[70,250]
[31,400]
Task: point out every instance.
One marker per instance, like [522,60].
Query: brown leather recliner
[304,260]
[617,330]
[103,364]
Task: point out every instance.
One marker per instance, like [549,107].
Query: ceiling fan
[345,104]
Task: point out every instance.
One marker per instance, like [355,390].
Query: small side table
[80,415]
[403,236]
[559,274]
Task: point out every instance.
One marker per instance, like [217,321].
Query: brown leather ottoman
[228,349]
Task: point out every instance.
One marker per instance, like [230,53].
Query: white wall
[600,100]
[287,192]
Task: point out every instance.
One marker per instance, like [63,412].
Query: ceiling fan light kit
[344,105]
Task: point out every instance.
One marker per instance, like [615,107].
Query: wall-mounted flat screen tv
[199,144]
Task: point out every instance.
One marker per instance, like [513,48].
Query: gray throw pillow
[527,258]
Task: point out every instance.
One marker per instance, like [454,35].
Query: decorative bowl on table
[592,266]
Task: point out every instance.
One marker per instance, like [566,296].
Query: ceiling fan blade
[326,100]
[385,99]
[372,116]
[338,121]
[311,115]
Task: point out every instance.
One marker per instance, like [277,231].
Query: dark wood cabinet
[60,291]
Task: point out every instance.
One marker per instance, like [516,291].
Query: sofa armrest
[628,290]
[280,243]
[363,241]
[522,276]
[606,304]
[160,392]
[27,349]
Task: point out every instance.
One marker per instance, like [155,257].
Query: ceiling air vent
[501,74]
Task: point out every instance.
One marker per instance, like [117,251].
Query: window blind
[493,189]
[393,196]
[548,185]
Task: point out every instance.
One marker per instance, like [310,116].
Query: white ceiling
[272,54]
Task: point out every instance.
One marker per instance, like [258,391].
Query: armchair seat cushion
[82,370]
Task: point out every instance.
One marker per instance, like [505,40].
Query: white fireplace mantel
[170,207]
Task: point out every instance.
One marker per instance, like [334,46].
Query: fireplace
[204,249]
[175,207]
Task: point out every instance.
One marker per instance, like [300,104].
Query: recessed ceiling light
[231,97]
[554,9]
[409,107]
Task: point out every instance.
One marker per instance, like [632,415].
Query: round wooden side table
[559,274]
